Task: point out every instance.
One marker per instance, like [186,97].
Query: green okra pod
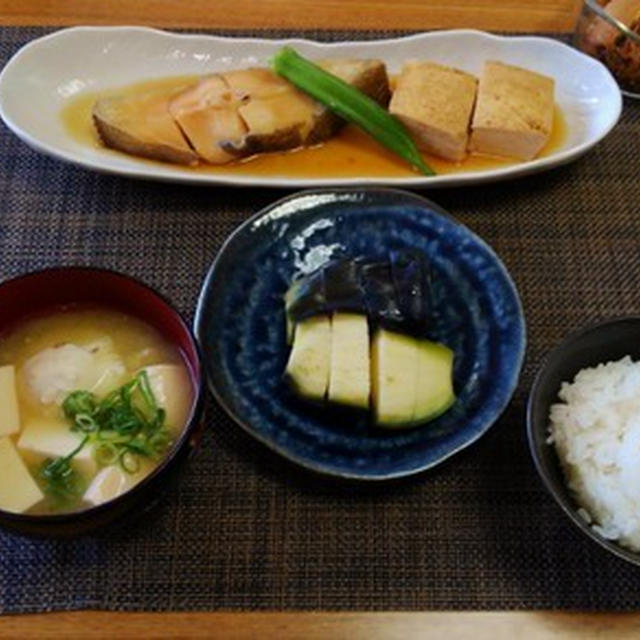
[349,103]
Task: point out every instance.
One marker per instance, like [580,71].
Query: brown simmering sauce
[349,154]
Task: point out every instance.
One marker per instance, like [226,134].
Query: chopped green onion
[124,426]
[79,402]
[146,391]
[129,462]
[107,435]
[60,480]
[85,422]
[106,453]
[140,447]
[349,103]
[160,441]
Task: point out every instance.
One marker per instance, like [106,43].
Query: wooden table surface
[507,15]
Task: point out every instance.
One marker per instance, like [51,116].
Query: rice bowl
[596,433]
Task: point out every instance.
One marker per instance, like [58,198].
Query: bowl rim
[565,501]
[601,12]
[197,406]
[422,201]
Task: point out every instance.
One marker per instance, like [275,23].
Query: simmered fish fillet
[141,125]
[207,113]
[233,115]
[277,115]
[369,76]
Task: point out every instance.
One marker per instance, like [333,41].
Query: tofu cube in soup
[18,490]
[111,482]
[44,438]
[170,384]
[435,104]
[9,414]
[514,112]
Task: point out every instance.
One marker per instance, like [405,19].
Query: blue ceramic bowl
[240,324]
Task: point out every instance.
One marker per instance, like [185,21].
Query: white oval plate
[44,75]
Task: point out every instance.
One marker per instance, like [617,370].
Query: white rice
[596,432]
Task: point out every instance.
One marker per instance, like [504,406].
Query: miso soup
[91,401]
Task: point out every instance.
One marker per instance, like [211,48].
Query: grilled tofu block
[514,112]
[141,125]
[435,104]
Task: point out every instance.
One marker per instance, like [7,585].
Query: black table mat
[244,529]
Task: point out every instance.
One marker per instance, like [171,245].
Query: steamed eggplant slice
[394,293]
[411,380]
[141,125]
[434,389]
[329,359]
[306,297]
[334,287]
[394,378]
[310,358]
[349,379]
[405,378]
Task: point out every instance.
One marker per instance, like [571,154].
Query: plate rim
[178,175]
[198,330]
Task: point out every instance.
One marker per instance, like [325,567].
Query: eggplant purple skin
[394,293]
[343,286]
[381,304]
[411,277]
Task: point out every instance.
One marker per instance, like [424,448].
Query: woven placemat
[244,529]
